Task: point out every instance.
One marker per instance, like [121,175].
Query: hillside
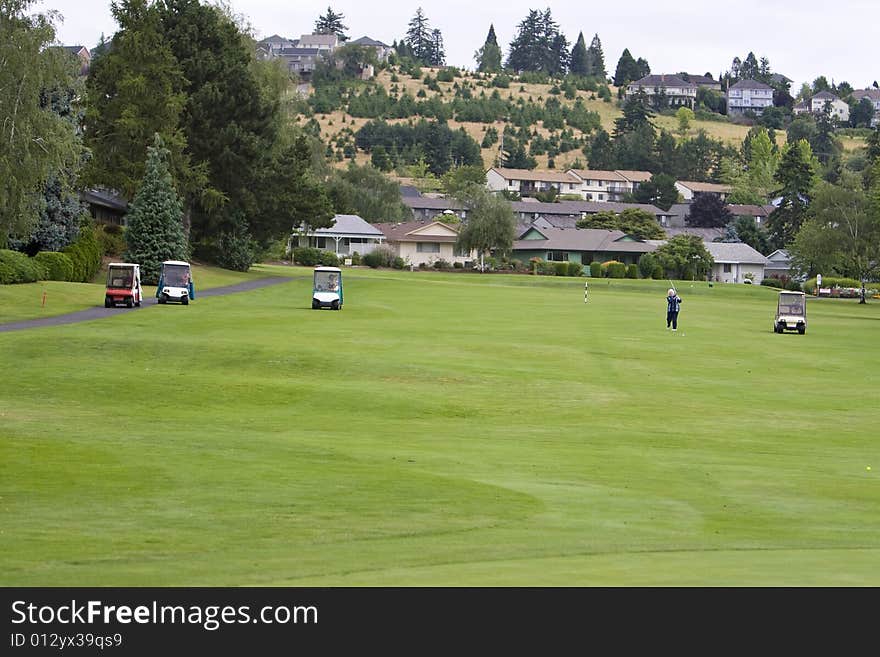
[335,126]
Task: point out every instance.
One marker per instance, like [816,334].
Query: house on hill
[816,105]
[873,95]
[749,96]
[383,50]
[676,91]
[690,189]
[526,182]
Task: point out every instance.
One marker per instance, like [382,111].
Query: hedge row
[85,254]
[16,267]
[310,257]
[831,281]
[57,266]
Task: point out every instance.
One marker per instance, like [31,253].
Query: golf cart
[327,288]
[123,285]
[791,313]
[175,283]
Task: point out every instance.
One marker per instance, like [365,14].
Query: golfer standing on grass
[673,305]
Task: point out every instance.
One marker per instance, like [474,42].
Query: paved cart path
[99,312]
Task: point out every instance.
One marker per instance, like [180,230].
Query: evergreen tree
[600,152]
[796,176]
[489,56]
[625,71]
[596,58]
[438,53]
[825,145]
[578,63]
[659,191]
[642,69]
[538,45]
[636,113]
[155,231]
[331,23]
[419,39]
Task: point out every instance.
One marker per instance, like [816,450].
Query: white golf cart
[791,313]
[123,285]
[175,283]
[327,288]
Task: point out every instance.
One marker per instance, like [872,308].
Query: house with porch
[348,234]
[601,186]
[677,92]
[735,262]
[425,242]
[526,182]
[581,245]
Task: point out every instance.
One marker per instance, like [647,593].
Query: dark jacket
[673,304]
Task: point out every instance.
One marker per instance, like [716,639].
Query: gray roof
[105,198]
[367,41]
[652,81]
[750,84]
[579,207]
[751,210]
[427,203]
[349,224]
[734,252]
[580,239]
[287,52]
[825,95]
[705,234]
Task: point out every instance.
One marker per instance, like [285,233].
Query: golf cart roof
[176,262]
[333,269]
[791,293]
[122,264]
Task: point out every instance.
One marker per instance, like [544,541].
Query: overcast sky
[802,39]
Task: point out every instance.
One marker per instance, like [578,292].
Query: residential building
[269,47]
[105,206]
[704,81]
[690,189]
[735,262]
[348,234]
[528,183]
[635,178]
[383,50]
[816,105]
[325,43]
[425,208]
[778,264]
[301,61]
[581,245]
[425,242]
[872,94]
[758,213]
[749,96]
[85,58]
[601,185]
[676,91]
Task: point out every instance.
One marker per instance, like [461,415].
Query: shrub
[355,259]
[596,269]
[58,266]
[632,271]
[112,240]
[447,74]
[614,269]
[561,268]
[306,256]
[328,259]
[646,265]
[457,265]
[236,251]
[502,81]
[442,264]
[575,269]
[657,274]
[85,254]
[16,267]
[381,256]
[832,282]
[398,262]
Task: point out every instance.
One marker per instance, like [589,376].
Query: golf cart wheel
[137,303]
[162,298]
[184,300]
[315,305]
[335,305]
[107,302]
[802,330]
[129,303]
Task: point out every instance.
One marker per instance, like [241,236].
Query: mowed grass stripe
[439,427]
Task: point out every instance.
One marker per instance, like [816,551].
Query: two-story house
[872,94]
[601,185]
[528,183]
[676,91]
[749,96]
[383,50]
[816,105]
[689,190]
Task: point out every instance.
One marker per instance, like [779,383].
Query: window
[321,242]
[727,268]
[557,256]
[427,247]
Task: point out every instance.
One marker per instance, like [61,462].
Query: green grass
[19,302]
[444,429]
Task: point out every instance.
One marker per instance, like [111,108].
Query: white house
[816,105]
[324,43]
[528,183]
[425,242]
[749,96]
[778,264]
[735,262]
[872,94]
[689,189]
[348,234]
[677,91]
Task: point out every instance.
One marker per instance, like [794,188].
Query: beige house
[528,183]
[873,95]
[601,186]
[676,91]
[689,189]
[425,242]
